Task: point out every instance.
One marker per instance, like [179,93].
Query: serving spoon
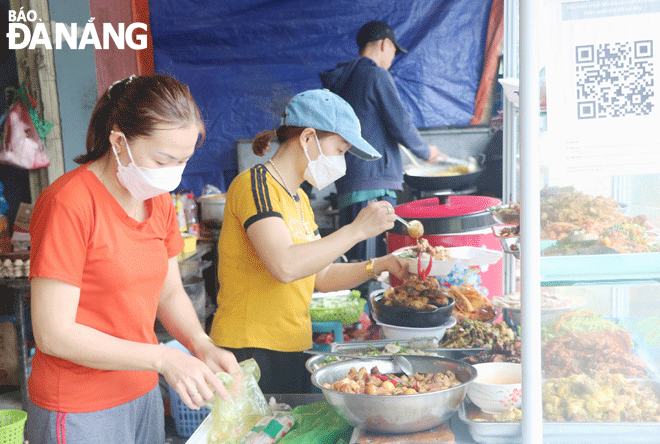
[414,227]
[403,363]
[402,220]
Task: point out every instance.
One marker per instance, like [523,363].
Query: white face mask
[145,183]
[325,169]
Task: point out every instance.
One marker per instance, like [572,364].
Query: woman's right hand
[190,378]
[374,219]
[391,264]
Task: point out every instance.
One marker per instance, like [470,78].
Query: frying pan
[423,178]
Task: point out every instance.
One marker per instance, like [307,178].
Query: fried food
[415,229]
[584,225]
[417,294]
[374,383]
[470,304]
[590,352]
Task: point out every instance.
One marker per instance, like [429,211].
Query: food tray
[356,346]
[490,432]
[428,344]
[605,432]
[507,243]
[603,267]
[499,229]
[469,256]
[494,432]
[504,214]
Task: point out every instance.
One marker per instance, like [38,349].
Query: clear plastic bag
[233,419]
[21,145]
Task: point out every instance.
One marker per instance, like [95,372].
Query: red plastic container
[454,221]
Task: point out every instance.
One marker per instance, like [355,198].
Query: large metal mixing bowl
[399,413]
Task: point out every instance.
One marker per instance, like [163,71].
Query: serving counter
[452,432]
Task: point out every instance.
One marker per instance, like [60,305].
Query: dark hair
[261,142]
[136,105]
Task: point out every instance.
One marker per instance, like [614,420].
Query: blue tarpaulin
[244,59]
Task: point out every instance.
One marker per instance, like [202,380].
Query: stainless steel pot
[400,413]
[213,209]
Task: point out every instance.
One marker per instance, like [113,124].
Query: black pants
[281,372]
[375,247]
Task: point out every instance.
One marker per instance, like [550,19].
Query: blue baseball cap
[326,111]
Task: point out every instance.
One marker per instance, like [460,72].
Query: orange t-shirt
[81,235]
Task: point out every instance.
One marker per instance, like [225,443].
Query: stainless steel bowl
[400,413]
[316,362]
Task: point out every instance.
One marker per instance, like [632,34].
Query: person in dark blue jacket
[368,87]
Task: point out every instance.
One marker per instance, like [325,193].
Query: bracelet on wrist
[371,273]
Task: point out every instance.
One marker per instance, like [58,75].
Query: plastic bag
[210,190]
[233,419]
[21,145]
[269,429]
[317,423]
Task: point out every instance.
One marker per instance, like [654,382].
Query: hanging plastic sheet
[244,59]
[24,133]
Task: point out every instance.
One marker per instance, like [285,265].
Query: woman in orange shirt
[104,263]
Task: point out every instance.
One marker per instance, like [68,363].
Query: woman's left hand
[220,360]
[391,263]
[216,358]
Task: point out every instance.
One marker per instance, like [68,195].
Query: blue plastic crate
[186,420]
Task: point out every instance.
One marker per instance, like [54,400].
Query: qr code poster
[603,101]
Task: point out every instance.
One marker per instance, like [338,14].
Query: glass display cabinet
[587,176]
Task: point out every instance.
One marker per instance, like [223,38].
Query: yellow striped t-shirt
[254,309]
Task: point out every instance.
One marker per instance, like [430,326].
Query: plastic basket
[347,315]
[12,423]
[186,420]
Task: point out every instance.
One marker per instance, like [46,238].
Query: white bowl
[439,267]
[470,256]
[498,385]
[397,332]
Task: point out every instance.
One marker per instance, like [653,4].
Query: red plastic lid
[453,206]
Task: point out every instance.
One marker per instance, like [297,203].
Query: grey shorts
[141,421]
